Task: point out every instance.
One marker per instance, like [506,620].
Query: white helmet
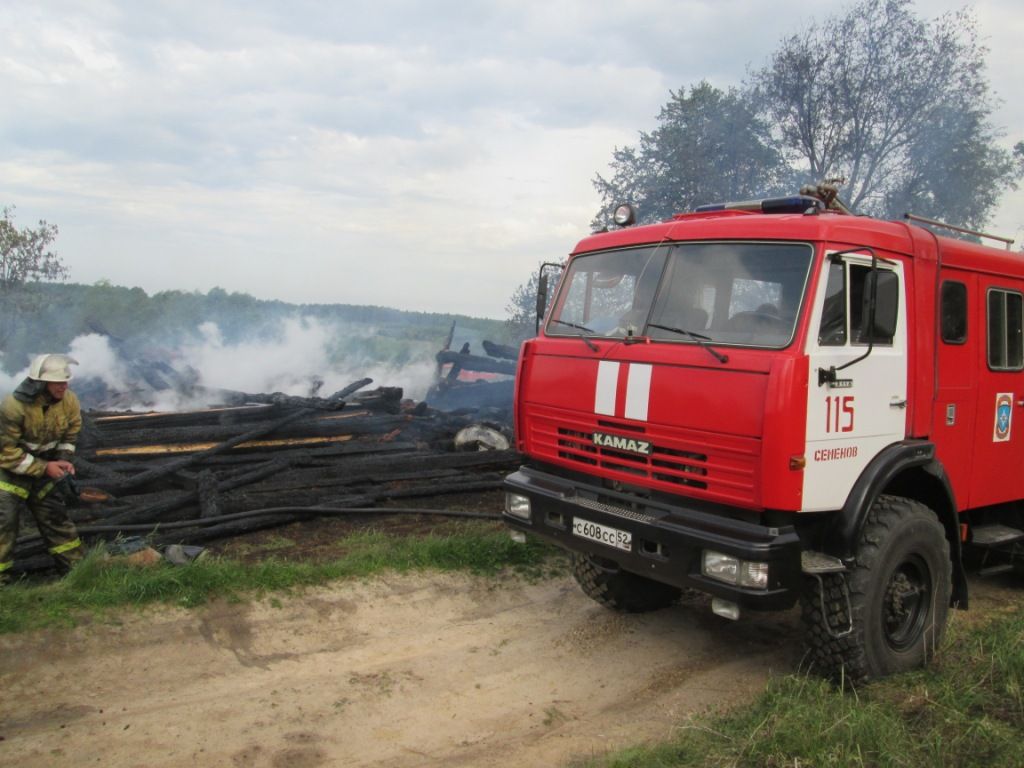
[51,368]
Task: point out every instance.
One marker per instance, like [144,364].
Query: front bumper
[667,539]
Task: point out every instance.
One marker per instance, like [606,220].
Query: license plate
[602,534]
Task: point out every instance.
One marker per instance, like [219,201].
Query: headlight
[722,567]
[732,570]
[517,505]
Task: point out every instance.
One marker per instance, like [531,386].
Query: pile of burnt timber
[467,380]
[267,460]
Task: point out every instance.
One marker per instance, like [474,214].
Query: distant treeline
[60,312]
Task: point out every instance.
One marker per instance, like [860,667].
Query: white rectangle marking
[638,392]
[607,387]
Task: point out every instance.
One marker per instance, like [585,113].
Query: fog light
[725,608]
[754,575]
[725,568]
[517,505]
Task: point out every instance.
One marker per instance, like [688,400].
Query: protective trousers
[51,516]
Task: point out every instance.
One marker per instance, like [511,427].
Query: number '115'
[839,413]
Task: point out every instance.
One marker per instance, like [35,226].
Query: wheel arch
[909,469]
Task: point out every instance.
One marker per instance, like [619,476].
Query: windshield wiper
[700,338]
[588,342]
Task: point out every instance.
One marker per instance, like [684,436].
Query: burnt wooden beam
[315,403]
[208,492]
[114,423]
[306,426]
[86,469]
[159,510]
[476,363]
[503,351]
[155,474]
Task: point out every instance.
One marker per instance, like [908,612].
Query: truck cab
[754,404]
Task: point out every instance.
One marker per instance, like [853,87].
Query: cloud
[387,153]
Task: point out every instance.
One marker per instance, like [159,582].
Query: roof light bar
[793,204]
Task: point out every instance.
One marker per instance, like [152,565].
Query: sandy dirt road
[411,670]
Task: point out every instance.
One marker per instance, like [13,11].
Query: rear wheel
[890,613]
[603,581]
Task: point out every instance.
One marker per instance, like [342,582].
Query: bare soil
[411,670]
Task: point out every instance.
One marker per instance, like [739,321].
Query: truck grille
[718,467]
[665,464]
[612,509]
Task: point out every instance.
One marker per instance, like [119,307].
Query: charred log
[503,351]
[297,425]
[160,510]
[475,363]
[115,423]
[155,474]
[208,491]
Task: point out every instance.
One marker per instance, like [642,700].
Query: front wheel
[889,614]
[603,581]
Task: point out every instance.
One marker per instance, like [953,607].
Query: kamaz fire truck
[776,401]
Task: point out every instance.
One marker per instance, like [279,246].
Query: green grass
[965,710]
[98,585]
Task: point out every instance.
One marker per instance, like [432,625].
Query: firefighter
[39,424]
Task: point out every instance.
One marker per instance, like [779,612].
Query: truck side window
[953,312]
[833,315]
[1005,330]
[858,282]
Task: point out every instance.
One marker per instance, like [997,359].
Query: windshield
[737,293]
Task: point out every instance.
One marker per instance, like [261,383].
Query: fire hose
[316,511]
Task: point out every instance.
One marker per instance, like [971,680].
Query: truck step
[812,562]
[994,535]
[995,570]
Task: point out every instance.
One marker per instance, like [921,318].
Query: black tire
[898,592]
[603,581]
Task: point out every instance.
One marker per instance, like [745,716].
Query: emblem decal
[620,443]
[1004,417]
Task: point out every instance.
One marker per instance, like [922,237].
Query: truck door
[961,339]
[996,474]
[863,408]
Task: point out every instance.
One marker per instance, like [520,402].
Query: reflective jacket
[35,429]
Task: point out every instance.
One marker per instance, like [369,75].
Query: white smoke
[301,353]
[290,363]
[286,364]
[96,359]
[8,383]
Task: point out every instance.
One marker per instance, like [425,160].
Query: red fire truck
[775,402]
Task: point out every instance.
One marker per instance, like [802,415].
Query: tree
[896,106]
[709,146]
[952,172]
[25,259]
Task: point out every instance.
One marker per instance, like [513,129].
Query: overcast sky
[416,155]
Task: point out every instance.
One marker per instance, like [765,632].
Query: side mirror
[542,297]
[881,305]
